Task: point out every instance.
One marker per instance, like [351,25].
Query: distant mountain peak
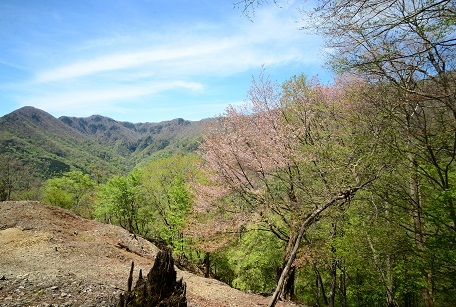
[35,117]
[59,144]
[29,111]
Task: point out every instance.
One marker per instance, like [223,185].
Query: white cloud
[122,61]
[89,101]
[272,39]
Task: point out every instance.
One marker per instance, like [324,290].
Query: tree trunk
[207,265]
[420,239]
[343,288]
[287,290]
[344,196]
[332,290]
[159,288]
[390,301]
[317,289]
[320,287]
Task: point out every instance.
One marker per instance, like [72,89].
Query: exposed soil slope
[51,256]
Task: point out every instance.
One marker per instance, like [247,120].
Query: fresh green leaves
[72,190]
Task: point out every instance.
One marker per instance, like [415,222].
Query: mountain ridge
[53,145]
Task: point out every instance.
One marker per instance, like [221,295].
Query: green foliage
[222,269]
[165,187]
[441,240]
[119,202]
[73,190]
[174,216]
[153,201]
[55,195]
[254,261]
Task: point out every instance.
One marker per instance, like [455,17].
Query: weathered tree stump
[159,288]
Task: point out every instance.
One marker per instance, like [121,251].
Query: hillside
[139,141]
[51,256]
[48,146]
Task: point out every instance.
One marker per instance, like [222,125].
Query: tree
[166,190]
[282,159]
[10,176]
[152,201]
[255,258]
[72,191]
[16,180]
[119,203]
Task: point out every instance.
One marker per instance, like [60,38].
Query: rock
[54,288]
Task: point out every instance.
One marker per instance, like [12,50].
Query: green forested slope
[48,146]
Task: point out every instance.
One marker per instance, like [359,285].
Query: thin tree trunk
[319,281]
[344,197]
[416,207]
[207,265]
[390,301]
[317,288]
[384,276]
[332,291]
[343,288]
[420,239]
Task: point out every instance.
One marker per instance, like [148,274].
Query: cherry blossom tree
[280,160]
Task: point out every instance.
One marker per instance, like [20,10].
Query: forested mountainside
[51,146]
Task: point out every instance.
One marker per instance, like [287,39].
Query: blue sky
[146,60]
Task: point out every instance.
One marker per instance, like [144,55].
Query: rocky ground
[49,256]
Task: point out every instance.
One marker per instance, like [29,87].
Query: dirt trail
[49,256]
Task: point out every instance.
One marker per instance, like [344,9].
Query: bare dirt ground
[51,257]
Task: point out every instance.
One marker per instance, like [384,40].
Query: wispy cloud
[121,61]
[12,65]
[89,100]
[272,39]
[104,73]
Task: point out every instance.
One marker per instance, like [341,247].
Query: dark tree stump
[159,288]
